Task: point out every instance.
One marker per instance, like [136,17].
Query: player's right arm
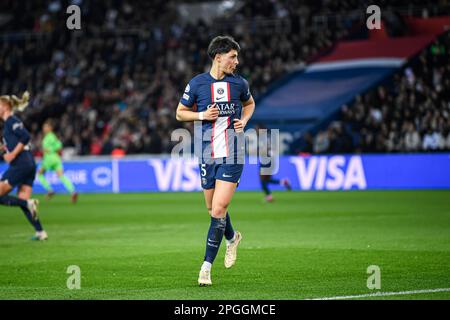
[185,113]
[57,144]
[188,100]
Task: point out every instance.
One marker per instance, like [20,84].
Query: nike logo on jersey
[226,176]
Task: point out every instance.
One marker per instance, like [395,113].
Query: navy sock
[265,187]
[215,235]
[35,223]
[13,201]
[229,231]
[274,181]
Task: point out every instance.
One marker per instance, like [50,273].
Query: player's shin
[44,183]
[13,201]
[67,184]
[265,187]
[35,223]
[215,234]
[229,231]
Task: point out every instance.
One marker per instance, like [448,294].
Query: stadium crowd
[112,87]
[412,114]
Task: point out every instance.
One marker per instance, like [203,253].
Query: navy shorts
[209,173]
[21,175]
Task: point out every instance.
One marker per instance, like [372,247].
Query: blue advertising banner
[331,172]
[87,176]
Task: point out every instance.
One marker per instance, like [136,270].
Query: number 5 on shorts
[203,169]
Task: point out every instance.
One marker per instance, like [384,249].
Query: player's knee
[4,189]
[219,211]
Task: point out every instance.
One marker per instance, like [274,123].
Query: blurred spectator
[432,141]
[115,84]
[321,142]
[411,138]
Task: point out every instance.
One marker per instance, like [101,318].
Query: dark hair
[222,44]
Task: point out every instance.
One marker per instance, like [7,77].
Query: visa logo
[176,175]
[330,173]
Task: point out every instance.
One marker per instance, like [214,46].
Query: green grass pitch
[304,245]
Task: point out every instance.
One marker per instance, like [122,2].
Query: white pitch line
[382,294]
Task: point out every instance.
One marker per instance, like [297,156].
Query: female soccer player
[222,101]
[22,168]
[52,162]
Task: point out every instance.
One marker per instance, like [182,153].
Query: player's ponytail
[16,103]
[20,104]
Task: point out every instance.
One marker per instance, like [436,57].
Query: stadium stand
[409,113]
[114,85]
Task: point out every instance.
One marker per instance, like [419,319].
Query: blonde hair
[15,103]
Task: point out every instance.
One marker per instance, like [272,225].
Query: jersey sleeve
[20,132]
[189,94]
[55,144]
[245,94]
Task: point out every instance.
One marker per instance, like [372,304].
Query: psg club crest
[220,91]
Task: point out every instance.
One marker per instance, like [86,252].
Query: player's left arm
[57,144]
[24,138]
[248,107]
[9,157]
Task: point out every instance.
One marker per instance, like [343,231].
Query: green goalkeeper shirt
[51,146]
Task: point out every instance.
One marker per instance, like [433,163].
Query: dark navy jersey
[14,132]
[228,93]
